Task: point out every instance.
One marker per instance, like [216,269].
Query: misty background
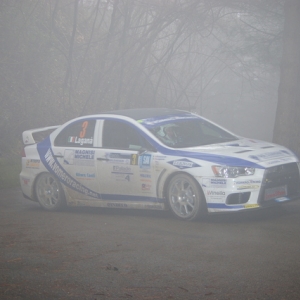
[60,59]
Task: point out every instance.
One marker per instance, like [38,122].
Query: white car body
[94,175]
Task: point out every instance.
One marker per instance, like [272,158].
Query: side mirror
[150,148]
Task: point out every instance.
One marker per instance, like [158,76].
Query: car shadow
[270,213]
[245,216]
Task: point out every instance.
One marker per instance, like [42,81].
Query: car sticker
[183,164]
[161,120]
[270,155]
[214,182]
[33,163]
[55,168]
[145,161]
[80,141]
[224,206]
[122,173]
[79,157]
[213,158]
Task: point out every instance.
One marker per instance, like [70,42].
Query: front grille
[278,179]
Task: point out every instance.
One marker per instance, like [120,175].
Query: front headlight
[232,172]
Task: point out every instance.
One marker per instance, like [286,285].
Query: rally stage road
[85,253]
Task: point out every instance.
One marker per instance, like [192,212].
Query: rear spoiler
[33,136]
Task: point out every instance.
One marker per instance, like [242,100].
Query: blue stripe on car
[55,168]
[214,158]
[45,146]
[224,206]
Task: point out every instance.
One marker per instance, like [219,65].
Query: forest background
[236,62]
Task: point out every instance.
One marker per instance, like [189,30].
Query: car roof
[146,113]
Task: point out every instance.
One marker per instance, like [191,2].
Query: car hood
[242,152]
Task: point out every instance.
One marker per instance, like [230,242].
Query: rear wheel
[49,192]
[185,198]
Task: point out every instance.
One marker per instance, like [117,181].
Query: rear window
[77,134]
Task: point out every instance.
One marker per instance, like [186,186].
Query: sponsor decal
[33,163]
[159,157]
[146,187]
[215,193]
[246,187]
[79,157]
[55,168]
[25,181]
[275,193]
[162,120]
[145,161]
[251,205]
[122,173]
[118,158]
[134,159]
[80,141]
[85,175]
[250,181]
[270,155]
[183,164]
[247,184]
[279,161]
[121,177]
[145,175]
[282,199]
[214,182]
[84,154]
[122,169]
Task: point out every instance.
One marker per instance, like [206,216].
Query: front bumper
[270,186]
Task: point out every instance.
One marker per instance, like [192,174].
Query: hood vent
[243,151]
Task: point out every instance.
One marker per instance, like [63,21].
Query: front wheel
[185,198]
[49,192]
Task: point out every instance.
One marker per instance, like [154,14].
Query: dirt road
[115,254]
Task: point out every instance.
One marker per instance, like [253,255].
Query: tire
[49,192]
[185,199]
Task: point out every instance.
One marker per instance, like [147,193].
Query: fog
[61,59]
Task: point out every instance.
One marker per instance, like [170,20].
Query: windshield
[191,132]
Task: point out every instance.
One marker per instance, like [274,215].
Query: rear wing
[33,136]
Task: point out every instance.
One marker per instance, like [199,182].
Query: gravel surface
[88,253]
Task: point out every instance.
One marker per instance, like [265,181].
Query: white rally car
[155,159]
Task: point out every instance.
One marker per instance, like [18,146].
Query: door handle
[102,159]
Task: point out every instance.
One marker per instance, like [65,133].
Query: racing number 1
[84,127]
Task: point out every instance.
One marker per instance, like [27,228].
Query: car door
[124,168]
[75,153]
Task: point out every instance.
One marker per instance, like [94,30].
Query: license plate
[276,192]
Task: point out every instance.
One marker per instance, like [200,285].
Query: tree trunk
[287,123]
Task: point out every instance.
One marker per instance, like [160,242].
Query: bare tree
[63,58]
[286,130]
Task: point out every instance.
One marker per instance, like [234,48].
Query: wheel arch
[33,188]
[172,175]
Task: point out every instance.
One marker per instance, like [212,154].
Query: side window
[119,135]
[209,131]
[77,134]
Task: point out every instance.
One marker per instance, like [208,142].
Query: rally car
[154,159]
